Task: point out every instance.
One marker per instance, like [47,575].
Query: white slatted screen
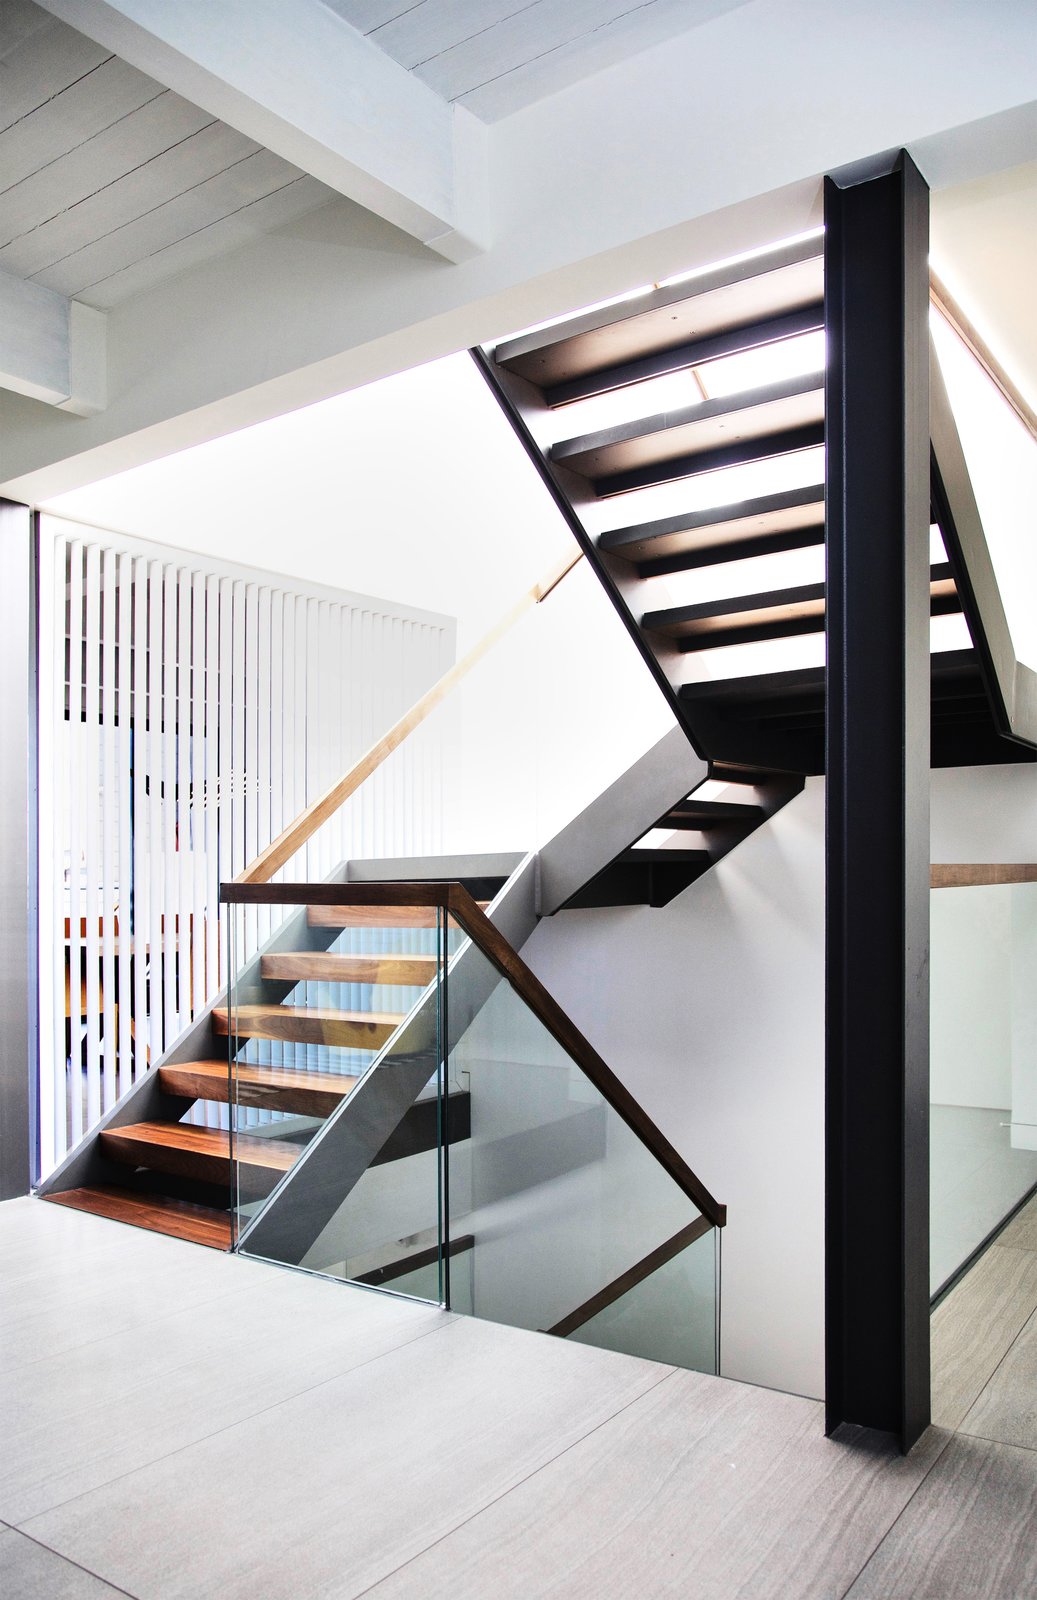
[188,711]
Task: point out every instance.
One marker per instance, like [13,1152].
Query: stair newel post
[877,759]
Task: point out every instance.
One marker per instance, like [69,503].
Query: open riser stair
[680,433]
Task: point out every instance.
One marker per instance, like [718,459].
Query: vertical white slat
[250,766]
[122,775]
[300,729]
[277,818]
[211,791]
[109,819]
[225,867]
[50,1088]
[290,731]
[72,741]
[57,725]
[91,737]
[196,816]
[155,864]
[263,772]
[170,897]
[182,800]
[237,721]
[140,878]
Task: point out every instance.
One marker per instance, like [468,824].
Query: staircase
[314,1006]
[700,504]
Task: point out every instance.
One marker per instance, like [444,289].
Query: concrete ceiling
[496,57]
[109,182]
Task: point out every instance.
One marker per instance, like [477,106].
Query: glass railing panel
[344,1012]
[560,1197]
[983,1077]
[670,1314]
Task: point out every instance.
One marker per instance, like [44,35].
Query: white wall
[970,1047]
[712,1012]
[984,813]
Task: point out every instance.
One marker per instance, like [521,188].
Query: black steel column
[877,983]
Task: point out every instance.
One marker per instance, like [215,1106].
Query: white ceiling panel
[242,227]
[424,32]
[241,184]
[93,165]
[187,165]
[58,125]
[42,65]
[108,181]
[19,19]
[497,56]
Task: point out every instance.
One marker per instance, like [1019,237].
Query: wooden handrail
[972,874]
[307,822]
[455,899]
[973,340]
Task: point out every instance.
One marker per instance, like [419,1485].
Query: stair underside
[766,525]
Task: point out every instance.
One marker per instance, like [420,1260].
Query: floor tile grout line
[989,1438]
[40,1545]
[532,1473]
[227,1426]
[951,1436]
[987,1381]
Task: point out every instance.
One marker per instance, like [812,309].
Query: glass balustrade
[411,1113]
[983,1078]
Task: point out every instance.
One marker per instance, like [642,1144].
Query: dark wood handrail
[458,903]
[632,1277]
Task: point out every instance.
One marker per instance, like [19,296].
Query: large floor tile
[974,1326]
[30,1572]
[89,1283]
[80,1418]
[1021,1232]
[702,1489]
[327,1493]
[1007,1408]
[970,1531]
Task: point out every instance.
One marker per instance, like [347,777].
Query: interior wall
[711,1011]
[971,996]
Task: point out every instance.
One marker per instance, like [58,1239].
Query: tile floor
[178,1423]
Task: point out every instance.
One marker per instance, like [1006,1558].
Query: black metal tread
[791,520]
[730,296]
[775,613]
[695,353]
[753,415]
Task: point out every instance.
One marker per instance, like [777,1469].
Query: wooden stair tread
[182,1147]
[312,1094]
[703,814]
[363,1030]
[158,1213]
[311,966]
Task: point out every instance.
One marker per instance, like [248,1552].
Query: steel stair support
[877,802]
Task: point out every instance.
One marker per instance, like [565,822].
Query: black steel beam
[877,741]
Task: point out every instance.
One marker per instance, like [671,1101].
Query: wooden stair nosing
[316,967]
[308,1094]
[346,916]
[354,1030]
[157,1213]
[194,1152]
